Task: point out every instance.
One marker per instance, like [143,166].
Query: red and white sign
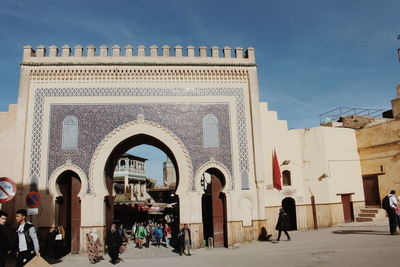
[33,200]
[7,189]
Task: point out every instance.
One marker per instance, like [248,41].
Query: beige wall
[379,145]
[7,140]
[323,162]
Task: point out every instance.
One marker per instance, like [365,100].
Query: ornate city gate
[81,108]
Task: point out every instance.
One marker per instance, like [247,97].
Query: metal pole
[314,211]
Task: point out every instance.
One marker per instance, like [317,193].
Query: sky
[312,55]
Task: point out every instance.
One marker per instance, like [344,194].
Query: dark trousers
[398,221]
[24,257]
[3,259]
[113,252]
[392,220]
[286,233]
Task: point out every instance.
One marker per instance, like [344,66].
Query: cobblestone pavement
[352,244]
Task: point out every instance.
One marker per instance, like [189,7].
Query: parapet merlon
[80,55]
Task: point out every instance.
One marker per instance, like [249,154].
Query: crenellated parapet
[136,55]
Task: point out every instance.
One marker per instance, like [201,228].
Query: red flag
[276,172]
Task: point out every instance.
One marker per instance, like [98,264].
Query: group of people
[141,235]
[392,206]
[26,244]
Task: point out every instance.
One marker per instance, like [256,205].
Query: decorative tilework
[42,93]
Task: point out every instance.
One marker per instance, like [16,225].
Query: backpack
[386,203]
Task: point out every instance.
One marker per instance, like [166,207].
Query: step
[370,215]
[369,210]
[364,219]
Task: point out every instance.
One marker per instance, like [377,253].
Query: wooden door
[69,210]
[75,214]
[217,212]
[371,190]
[347,210]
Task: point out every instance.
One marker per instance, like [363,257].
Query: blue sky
[312,55]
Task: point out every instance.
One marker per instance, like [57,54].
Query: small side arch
[217,165]
[67,166]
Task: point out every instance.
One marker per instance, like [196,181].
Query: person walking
[158,234]
[3,238]
[141,234]
[113,242]
[282,224]
[167,234]
[27,244]
[133,236]
[389,203]
[185,240]
[93,243]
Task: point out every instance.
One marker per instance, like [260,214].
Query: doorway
[69,209]
[289,205]
[214,208]
[371,190]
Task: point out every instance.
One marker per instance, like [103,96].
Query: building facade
[79,111]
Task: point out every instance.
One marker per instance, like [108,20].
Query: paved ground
[353,244]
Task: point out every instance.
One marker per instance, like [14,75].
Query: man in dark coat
[3,238]
[113,243]
[185,240]
[282,224]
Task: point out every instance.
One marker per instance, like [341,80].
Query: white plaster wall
[275,135]
[7,141]
[323,161]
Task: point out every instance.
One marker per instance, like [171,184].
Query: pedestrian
[57,239]
[185,240]
[167,234]
[113,242]
[27,244]
[282,224]
[133,232]
[389,203]
[3,238]
[92,244]
[149,234]
[158,234]
[398,212]
[141,234]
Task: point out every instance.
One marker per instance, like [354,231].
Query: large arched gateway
[86,112]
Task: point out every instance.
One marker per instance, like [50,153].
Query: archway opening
[69,211]
[289,205]
[136,197]
[214,208]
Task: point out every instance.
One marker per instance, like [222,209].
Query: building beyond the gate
[80,109]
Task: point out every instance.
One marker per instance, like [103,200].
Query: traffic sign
[33,199]
[7,189]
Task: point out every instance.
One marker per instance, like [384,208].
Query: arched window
[70,133]
[210,131]
[122,164]
[286,179]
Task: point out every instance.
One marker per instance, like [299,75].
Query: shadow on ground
[360,232]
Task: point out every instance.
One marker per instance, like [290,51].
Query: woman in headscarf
[93,243]
[113,243]
[282,224]
[59,242]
